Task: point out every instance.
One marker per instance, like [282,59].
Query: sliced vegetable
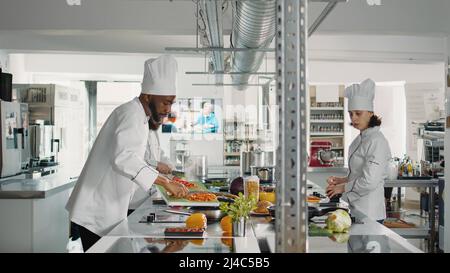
[202,197]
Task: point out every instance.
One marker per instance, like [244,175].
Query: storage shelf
[327,108]
[240,139]
[415,232]
[326,137]
[232,164]
[327,134]
[327,121]
[232,154]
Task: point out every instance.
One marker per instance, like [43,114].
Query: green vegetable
[340,237]
[338,221]
[241,207]
[315,230]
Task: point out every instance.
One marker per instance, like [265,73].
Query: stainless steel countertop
[132,236]
[364,236]
[368,236]
[21,188]
[132,227]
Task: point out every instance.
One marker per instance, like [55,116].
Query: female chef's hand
[163,168]
[334,180]
[333,190]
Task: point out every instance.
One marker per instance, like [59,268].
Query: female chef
[363,187]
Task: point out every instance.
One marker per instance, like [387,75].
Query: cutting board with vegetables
[198,196]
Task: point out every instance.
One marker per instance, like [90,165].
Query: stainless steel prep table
[429,232]
[131,234]
[260,235]
[369,236]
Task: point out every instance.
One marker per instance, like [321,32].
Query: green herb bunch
[241,207]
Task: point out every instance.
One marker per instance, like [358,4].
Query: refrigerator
[11,140]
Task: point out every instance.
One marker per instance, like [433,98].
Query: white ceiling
[148,26]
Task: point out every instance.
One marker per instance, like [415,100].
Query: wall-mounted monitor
[194,116]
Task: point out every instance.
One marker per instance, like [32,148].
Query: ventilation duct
[254,28]
[212,19]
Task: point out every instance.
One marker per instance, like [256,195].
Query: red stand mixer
[321,154]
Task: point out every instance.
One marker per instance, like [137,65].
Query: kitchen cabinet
[33,215]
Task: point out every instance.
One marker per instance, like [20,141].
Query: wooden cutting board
[398,224]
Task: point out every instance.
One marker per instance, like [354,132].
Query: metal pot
[265,174]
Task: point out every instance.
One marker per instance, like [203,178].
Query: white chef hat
[160,76]
[360,96]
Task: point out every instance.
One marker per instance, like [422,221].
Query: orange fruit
[226,224]
[196,220]
[227,239]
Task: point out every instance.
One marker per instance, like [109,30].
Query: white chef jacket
[115,164]
[368,162]
[153,155]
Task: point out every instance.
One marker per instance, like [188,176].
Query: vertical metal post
[91,87]
[446,208]
[291,213]
[431,219]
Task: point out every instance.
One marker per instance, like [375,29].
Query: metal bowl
[212,213]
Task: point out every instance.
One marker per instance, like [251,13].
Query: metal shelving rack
[328,117]
[233,158]
[292,224]
[428,232]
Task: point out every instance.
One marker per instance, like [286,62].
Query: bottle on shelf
[417,168]
[401,167]
[410,168]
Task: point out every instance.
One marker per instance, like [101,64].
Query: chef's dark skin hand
[176,189]
[174,246]
[163,168]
